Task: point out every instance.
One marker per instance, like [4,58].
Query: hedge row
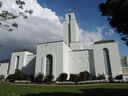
[82,76]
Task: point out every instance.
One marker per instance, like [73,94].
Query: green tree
[116,12]
[6,15]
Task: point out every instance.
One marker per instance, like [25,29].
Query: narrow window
[107,61]
[69,30]
[17,62]
[49,64]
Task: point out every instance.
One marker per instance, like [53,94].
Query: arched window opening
[17,62]
[69,17]
[107,61]
[49,64]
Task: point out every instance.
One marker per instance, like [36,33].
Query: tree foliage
[116,12]
[6,15]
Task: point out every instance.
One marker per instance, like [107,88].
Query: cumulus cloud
[44,25]
[88,38]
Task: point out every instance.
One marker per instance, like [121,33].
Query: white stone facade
[26,62]
[4,68]
[59,54]
[99,58]
[68,56]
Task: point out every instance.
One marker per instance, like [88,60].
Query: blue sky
[87,15]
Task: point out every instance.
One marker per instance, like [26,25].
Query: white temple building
[68,55]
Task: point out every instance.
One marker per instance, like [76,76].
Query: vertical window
[69,18]
[107,61]
[17,62]
[69,30]
[49,64]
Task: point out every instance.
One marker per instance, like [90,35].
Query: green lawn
[44,90]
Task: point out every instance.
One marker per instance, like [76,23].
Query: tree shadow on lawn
[87,92]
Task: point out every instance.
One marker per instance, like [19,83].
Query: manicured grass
[7,89]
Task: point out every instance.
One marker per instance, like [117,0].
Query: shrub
[1,78]
[84,76]
[39,77]
[111,80]
[93,77]
[71,78]
[10,78]
[119,77]
[21,76]
[18,75]
[62,77]
[101,77]
[31,78]
[48,78]
[74,78]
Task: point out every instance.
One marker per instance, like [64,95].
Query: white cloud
[88,38]
[44,25]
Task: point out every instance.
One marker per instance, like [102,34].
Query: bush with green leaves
[18,75]
[74,77]
[110,78]
[48,78]
[84,75]
[119,77]
[101,77]
[39,77]
[62,77]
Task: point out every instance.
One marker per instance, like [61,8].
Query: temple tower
[71,32]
